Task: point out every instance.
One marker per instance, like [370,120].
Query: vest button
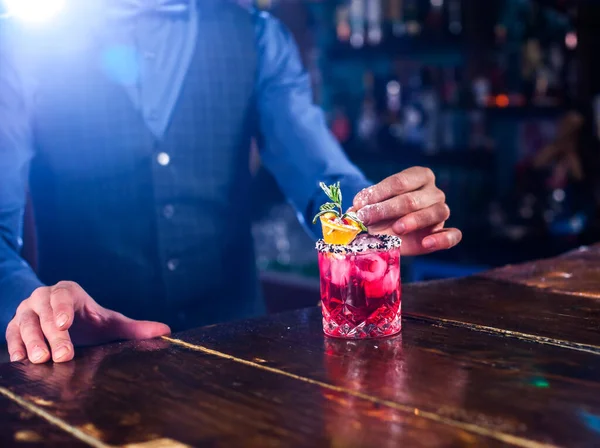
[172,264]
[168,211]
[163,158]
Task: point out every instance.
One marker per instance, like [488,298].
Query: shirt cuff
[15,288]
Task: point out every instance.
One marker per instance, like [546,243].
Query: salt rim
[386,243]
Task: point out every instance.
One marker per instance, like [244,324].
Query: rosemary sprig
[334,193]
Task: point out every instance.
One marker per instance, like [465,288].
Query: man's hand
[408,204]
[54,319]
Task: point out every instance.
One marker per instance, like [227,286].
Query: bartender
[130,123]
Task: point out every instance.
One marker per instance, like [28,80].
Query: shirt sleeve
[17,279]
[296,144]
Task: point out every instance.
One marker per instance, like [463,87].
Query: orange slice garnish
[337,232]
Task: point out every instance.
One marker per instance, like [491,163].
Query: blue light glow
[34,10]
[121,64]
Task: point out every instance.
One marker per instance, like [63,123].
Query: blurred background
[498,97]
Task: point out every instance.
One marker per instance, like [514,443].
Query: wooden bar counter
[508,358]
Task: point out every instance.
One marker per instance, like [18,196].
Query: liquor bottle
[450,87]
[357,23]
[368,125]
[413,116]
[374,22]
[544,82]
[340,125]
[455,24]
[430,104]
[316,76]
[395,97]
[411,14]
[450,100]
[393,92]
[368,121]
[478,136]
[530,72]
[572,78]
[342,23]
[435,19]
[556,65]
[395,17]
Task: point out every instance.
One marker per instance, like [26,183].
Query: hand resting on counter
[49,324]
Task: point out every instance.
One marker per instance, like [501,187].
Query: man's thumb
[126,328]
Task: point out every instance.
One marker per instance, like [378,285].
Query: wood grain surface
[499,384]
[20,426]
[508,308]
[575,273]
[157,392]
[508,358]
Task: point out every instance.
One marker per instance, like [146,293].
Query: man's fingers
[16,348]
[55,311]
[428,217]
[33,337]
[401,205]
[443,239]
[59,340]
[408,180]
[62,298]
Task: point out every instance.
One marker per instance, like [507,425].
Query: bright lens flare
[34,10]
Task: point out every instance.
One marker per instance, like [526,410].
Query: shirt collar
[126,9]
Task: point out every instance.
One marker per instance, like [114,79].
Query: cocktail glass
[360,287]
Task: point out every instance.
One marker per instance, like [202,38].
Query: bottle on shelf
[430,104]
[478,138]
[374,22]
[342,23]
[450,99]
[455,23]
[435,17]
[357,23]
[481,90]
[316,76]
[395,18]
[367,126]
[411,16]
[340,125]
[413,113]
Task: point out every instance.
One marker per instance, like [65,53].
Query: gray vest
[163,242]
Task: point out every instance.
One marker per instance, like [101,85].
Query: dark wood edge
[588,348]
[52,419]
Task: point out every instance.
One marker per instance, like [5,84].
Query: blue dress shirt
[147,51]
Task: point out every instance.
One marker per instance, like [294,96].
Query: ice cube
[364,239]
[391,279]
[340,270]
[371,267]
[324,263]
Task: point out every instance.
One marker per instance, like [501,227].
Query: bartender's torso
[140,179]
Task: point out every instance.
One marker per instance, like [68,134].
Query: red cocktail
[360,287]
